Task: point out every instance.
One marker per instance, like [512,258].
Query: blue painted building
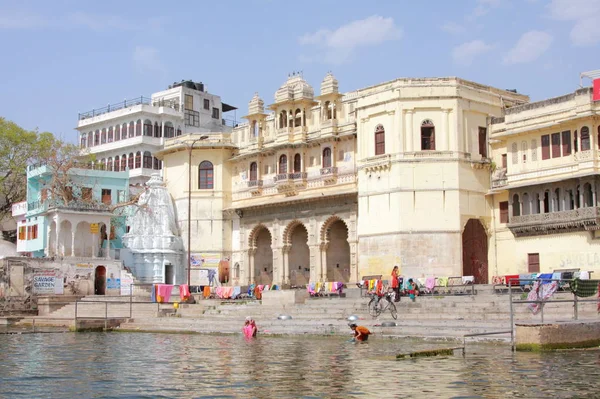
[86,226]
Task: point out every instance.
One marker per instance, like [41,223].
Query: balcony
[255,186]
[329,127]
[329,174]
[582,219]
[499,178]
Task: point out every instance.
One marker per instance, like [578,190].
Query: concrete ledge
[284,297]
[558,335]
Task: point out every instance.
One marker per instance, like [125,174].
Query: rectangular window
[483,142]
[504,162]
[533,263]
[215,113]
[545,146]
[189,102]
[106,196]
[34,232]
[29,232]
[504,212]
[121,195]
[566,143]
[206,104]
[86,193]
[22,233]
[379,143]
[555,145]
[192,118]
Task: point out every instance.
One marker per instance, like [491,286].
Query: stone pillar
[94,243]
[73,231]
[57,243]
[409,130]
[302,117]
[108,240]
[277,266]
[286,265]
[541,203]
[251,253]
[48,250]
[353,262]
[315,263]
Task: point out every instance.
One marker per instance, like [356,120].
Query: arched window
[557,200]
[90,139]
[147,160]
[157,130]
[83,140]
[585,138]
[124,162]
[427,135]
[130,159]
[253,171]
[97,137]
[328,115]
[575,142]
[282,164]
[110,135]
[298,118]
[157,164]
[297,163]
[588,198]
[147,127]
[205,175]
[109,164]
[236,270]
[255,128]
[138,159]
[379,140]
[124,131]
[327,157]
[117,132]
[101,165]
[516,211]
[131,129]
[283,119]
[103,137]
[138,127]
[526,204]
[117,167]
[178,130]
[169,130]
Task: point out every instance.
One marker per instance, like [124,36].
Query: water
[126,365]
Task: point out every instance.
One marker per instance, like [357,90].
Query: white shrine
[153,246]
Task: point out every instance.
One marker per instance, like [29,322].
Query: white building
[126,135]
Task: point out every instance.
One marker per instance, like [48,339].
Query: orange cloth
[206,292]
[379,288]
[394,279]
[257,293]
[184,292]
[364,333]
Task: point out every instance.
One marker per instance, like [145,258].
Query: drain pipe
[495,234]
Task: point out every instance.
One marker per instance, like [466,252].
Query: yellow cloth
[442,281]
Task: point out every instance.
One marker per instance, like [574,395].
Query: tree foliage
[18,148]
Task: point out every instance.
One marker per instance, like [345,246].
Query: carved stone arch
[254,233]
[427,123]
[289,229]
[323,233]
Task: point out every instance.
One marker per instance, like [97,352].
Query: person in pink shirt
[250,328]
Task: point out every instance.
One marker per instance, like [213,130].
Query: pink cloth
[430,283]
[248,331]
[164,291]
[184,292]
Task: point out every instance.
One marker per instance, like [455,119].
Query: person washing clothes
[361,333]
[413,289]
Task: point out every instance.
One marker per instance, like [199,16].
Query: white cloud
[453,28]
[530,47]
[482,8]
[585,15]
[146,59]
[466,52]
[339,45]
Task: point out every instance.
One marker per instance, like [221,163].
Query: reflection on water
[123,365]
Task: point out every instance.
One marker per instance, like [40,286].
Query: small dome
[256,105]
[329,84]
[295,88]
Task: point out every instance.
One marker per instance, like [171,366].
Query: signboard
[20,208]
[126,282]
[94,228]
[113,283]
[84,269]
[45,282]
[205,276]
[596,93]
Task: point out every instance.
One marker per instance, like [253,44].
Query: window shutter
[545,147]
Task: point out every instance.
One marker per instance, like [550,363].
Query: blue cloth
[545,277]
[236,292]
[251,290]
[153,293]
[523,279]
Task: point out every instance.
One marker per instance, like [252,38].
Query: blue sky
[64,57]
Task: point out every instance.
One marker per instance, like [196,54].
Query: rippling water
[129,365]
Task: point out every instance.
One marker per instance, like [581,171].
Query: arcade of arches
[294,252]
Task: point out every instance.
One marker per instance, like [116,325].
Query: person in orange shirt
[361,333]
[395,284]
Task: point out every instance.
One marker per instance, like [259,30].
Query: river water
[144,365]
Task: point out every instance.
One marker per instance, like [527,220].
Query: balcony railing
[556,222]
[281,176]
[114,107]
[297,175]
[255,183]
[332,170]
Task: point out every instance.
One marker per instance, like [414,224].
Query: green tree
[18,148]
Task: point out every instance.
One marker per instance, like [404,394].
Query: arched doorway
[299,256]
[51,239]
[263,258]
[83,239]
[475,251]
[100,281]
[66,239]
[338,252]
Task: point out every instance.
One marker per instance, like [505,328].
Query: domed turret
[294,89]
[329,85]
[256,105]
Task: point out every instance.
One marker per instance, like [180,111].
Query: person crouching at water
[361,333]
[250,328]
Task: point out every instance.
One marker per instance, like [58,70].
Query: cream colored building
[343,185]
[545,186]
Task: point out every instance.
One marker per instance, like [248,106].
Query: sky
[65,57]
